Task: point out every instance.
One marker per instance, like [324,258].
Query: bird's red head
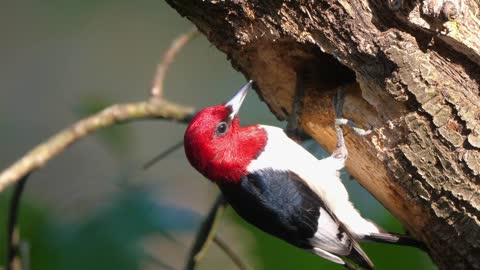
[217,146]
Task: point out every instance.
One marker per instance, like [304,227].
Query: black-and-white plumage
[278,186]
[281,204]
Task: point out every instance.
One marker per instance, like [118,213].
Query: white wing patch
[330,236]
[283,154]
[327,255]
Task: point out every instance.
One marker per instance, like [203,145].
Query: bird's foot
[340,153]
[340,121]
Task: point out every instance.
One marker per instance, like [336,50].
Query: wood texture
[412,73]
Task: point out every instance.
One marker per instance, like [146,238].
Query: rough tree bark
[412,69]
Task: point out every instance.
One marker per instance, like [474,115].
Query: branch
[13,235]
[162,155]
[175,47]
[25,253]
[157,89]
[156,107]
[233,256]
[206,233]
[114,114]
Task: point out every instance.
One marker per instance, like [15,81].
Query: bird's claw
[340,121]
[351,124]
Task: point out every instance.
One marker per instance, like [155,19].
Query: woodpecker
[276,185]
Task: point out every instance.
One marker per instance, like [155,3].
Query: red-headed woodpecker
[278,186]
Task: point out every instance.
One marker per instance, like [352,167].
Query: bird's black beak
[236,102]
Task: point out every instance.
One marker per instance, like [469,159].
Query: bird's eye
[222,128]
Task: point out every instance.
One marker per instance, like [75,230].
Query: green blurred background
[93,207]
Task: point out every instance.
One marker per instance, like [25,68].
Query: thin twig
[13,233]
[162,155]
[206,233]
[114,114]
[157,262]
[233,256]
[25,253]
[167,59]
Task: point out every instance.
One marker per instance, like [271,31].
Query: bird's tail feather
[359,256]
[350,266]
[396,239]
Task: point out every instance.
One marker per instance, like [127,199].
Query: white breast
[322,176]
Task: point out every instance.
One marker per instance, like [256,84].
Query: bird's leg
[293,130]
[339,120]
[341,152]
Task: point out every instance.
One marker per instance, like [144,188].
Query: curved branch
[162,155]
[114,114]
[13,236]
[233,256]
[175,47]
[206,233]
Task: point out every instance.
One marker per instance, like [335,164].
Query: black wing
[276,204]
[281,204]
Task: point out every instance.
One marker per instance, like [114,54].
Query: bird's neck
[231,160]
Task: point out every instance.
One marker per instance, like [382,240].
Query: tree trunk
[412,73]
